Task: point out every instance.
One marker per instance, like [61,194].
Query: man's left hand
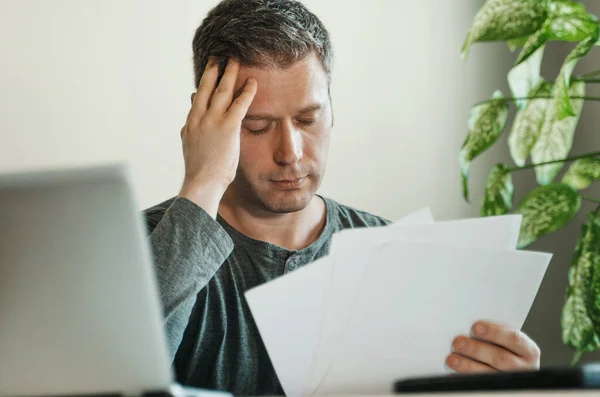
[493,348]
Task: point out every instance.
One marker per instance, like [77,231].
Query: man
[255,146]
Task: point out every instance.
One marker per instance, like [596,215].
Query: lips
[289,184]
[289,180]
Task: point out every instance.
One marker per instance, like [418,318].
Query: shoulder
[154,214]
[345,217]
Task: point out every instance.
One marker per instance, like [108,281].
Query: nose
[289,145]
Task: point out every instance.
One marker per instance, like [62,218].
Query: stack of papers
[387,302]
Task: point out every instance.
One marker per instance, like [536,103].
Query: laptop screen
[79,307]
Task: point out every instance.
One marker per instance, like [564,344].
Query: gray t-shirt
[203,268]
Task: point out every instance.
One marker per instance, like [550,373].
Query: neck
[293,231]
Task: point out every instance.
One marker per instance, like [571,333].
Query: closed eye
[257,127]
[258,132]
[306,122]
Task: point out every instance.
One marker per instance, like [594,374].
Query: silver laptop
[79,307]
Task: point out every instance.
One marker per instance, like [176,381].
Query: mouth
[289,184]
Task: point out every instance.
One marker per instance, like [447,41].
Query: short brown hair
[263,33]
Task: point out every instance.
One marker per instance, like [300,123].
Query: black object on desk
[584,377]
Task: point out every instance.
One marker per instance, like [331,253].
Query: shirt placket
[292,262]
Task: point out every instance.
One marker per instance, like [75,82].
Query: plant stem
[591,74]
[513,99]
[590,81]
[591,200]
[565,160]
[585,98]
[576,357]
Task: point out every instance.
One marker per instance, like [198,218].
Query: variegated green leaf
[505,20]
[527,126]
[590,256]
[524,77]
[561,86]
[582,264]
[565,8]
[582,173]
[577,327]
[533,43]
[556,139]
[592,346]
[546,209]
[499,192]
[579,310]
[569,21]
[486,123]
[513,44]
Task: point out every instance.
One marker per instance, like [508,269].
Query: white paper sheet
[415,298]
[421,216]
[289,324]
[350,251]
[287,314]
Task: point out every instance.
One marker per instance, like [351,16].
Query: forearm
[188,247]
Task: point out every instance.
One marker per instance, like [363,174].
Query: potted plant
[540,139]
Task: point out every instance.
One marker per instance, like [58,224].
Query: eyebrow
[269,117]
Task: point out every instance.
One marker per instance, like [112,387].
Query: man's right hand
[211,136]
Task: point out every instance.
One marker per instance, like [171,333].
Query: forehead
[303,83]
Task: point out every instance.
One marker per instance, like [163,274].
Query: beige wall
[86,82]
[93,81]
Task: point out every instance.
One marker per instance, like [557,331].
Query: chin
[274,199]
[286,202]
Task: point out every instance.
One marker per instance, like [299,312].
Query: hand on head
[211,135]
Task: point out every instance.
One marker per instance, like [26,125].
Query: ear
[192,97]
[332,112]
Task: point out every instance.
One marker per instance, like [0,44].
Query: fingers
[512,340]
[218,100]
[238,109]
[488,354]
[206,88]
[223,95]
[466,365]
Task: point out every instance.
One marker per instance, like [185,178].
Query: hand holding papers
[387,302]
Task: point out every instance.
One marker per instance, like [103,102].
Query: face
[284,137]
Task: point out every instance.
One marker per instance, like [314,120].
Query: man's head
[285,135]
